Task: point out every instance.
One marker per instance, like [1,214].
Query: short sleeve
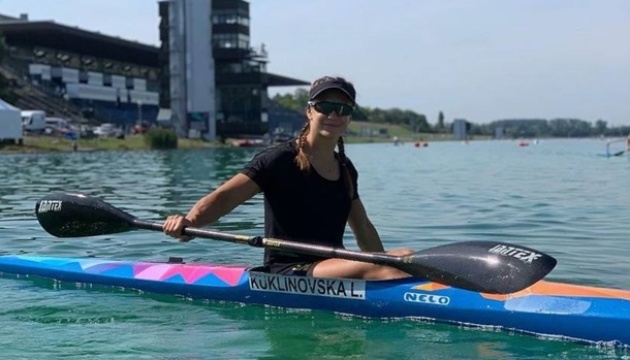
[259,169]
[264,168]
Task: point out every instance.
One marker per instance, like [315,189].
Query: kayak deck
[574,312]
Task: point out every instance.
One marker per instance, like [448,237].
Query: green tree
[407,118]
[440,123]
[601,126]
[296,101]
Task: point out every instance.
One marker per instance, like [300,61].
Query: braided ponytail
[301,160]
[345,172]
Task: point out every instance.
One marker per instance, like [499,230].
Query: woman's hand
[175,224]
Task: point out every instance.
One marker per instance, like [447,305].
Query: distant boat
[280,137]
[615,152]
[249,143]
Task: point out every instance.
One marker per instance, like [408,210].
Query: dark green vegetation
[516,128]
[158,138]
[406,118]
[130,142]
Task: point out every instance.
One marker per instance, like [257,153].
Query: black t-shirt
[300,205]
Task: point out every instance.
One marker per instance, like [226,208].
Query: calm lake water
[557,196]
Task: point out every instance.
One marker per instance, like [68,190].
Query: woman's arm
[221,201]
[212,206]
[363,229]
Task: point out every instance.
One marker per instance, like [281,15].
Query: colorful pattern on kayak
[178,273]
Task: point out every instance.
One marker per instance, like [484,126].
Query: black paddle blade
[76,215]
[484,266]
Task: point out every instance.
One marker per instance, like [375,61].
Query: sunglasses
[328,107]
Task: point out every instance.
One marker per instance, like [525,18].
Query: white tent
[10,122]
[5,105]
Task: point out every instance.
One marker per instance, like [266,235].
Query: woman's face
[329,114]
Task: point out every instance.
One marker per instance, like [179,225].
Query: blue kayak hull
[573,312]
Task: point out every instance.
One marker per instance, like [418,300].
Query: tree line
[514,128]
[406,118]
[558,127]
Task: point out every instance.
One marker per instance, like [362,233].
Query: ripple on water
[555,196]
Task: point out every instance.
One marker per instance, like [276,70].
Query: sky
[480,60]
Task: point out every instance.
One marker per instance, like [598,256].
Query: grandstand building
[102,77]
[205,76]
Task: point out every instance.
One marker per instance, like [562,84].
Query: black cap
[328,83]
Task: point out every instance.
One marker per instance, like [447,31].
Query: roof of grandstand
[62,37]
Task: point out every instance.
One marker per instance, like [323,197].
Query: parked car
[141,128]
[55,126]
[87,132]
[107,130]
[33,121]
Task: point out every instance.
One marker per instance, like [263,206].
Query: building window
[230,41]
[229,17]
[236,68]
[243,41]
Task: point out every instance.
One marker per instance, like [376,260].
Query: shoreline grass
[57,144]
[32,144]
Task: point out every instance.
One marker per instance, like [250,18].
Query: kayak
[472,283]
[572,312]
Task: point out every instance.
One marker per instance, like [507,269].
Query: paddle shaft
[258,241]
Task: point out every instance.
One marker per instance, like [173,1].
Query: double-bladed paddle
[484,266]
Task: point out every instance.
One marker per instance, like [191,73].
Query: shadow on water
[213,329]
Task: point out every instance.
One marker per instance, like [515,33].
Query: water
[556,196]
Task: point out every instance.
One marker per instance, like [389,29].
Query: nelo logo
[427,298]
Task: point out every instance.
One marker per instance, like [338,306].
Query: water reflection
[211,329]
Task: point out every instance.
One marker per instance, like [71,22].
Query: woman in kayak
[310,193]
